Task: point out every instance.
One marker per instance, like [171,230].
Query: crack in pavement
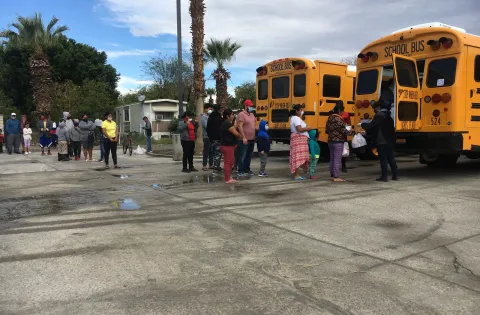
[457,265]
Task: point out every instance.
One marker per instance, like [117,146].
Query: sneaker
[381,179]
[193,169]
[107,167]
[185,170]
[262,174]
[218,169]
[49,153]
[230,181]
[313,177]
[241,174]
[395,178]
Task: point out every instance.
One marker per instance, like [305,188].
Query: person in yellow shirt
[110,131]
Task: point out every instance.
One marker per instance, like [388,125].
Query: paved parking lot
[146,239]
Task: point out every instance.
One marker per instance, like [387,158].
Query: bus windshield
[367,82]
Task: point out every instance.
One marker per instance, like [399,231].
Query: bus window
[299,85]
[367,82]
[441,72]
[331,86]
[407,76]
[281,87]
[477,68]
[263,89]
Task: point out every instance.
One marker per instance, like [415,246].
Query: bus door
[331,78]
[280,101]
[407,94]
[473,88]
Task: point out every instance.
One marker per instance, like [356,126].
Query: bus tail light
[446,97]
[364,57]
[435,45]
[298,64]
[436,98]
[427,99]
[446,42]
[436,113]
[365,104]
[372,55]
[261,71]
[358,104]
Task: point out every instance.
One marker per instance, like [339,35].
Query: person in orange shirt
[346,119]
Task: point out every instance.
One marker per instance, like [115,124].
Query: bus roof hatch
[432,24]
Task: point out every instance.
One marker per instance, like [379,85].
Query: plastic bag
[139,150]
[358,141]
[346,150]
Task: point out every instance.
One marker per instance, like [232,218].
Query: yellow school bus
[317,85]
[431,75]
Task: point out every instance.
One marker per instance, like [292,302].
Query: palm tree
[31,33]
[221,52]
[210,92]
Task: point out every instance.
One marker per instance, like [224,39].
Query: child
[27,138]
[76,137]
[263,145]
[314,149]
[2,138]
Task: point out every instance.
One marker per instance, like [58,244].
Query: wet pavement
[146,239]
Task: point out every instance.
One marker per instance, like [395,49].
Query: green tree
[221,52]
[31,33]
[246,91]
[210,92]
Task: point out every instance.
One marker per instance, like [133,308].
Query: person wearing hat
[381,130]
[12,130]
[246,128]
[45,126]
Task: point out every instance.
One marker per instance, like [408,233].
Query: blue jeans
[149,143]
[245,155]
[102,150]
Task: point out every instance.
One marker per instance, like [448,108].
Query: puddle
[128,204]
[209,179]
[122,176]
[128,188]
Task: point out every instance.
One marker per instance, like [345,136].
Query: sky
[132,31]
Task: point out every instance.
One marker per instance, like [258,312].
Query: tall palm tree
[220,52]
[210,93]
[197,13]
[31,33]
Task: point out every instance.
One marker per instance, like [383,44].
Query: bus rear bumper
[431,143]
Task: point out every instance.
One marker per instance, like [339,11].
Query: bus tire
[444,160]
[472,155]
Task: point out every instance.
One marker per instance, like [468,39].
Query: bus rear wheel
[439,160]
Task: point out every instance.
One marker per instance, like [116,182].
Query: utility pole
[180,62]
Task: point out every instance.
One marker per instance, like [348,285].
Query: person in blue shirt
[12,130]
[263,146]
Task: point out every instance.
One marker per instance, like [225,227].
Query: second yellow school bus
[431,75]
[317,85]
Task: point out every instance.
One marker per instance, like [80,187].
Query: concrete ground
[146,239]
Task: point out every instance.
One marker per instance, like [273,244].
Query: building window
[331,86]
[164,115]
[126,115]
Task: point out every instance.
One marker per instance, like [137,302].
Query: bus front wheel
[439,160]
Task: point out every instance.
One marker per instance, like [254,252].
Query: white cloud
[128,84]
[126,53]
[113,44]
[328,29]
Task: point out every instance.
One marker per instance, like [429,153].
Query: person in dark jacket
[263,146]
[381,131]
[187,127]
[214,123]
[12,130]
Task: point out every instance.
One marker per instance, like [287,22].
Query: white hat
[13,114]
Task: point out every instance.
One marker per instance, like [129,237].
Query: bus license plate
[401,140]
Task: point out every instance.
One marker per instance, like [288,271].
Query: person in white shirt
[27,138]
[299,152]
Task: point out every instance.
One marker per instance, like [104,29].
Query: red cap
[248,103]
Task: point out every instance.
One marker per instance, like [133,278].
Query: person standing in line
[148,133]
[69,126]
[76,137]
[229,137]
[110,131]
[263,146]
[2,139]
[12,129]
[88,128]
[382,132]
[23,122]
[63,138]
[246,127]
[214,123]
[346,119]
[27,138]
[314,150]
[188,129]
[299,152]
[207,148]
[337,135]
[45,126]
